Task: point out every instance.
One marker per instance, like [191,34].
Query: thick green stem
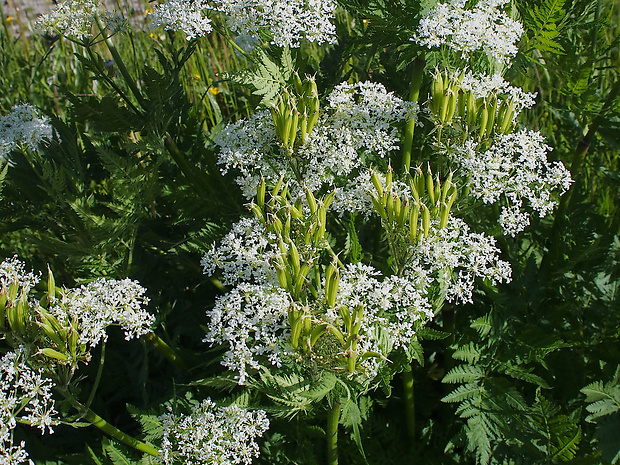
[96,420]
[414,94]
[409,405]
[165,350]
[333,417]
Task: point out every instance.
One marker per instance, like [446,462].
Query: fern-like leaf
[463,374]
[545,21]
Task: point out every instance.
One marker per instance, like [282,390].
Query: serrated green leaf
[463,374]
[463,392]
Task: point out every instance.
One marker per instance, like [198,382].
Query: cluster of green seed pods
[431,200]
[301,237]
[487,116]
[301,234]
[21,319]
[296,112]
[14,309]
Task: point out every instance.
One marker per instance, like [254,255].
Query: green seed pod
[451,197]
[404,214]
[374,177]
[294,320]
[258,213]
[328,199]
[492,116]
[282,277]
[389,206]
[299,85]
[294,259]
[445,212]
[51,353]
[437,93]
[260,193]
[483,118]
[472,109]
[276,190]
[446,186]
[293,130]
[303,126]
[413,222]
[505,124]
[346,316]
[313,114]
[311,201]
[317,332]
[452,103]
[426,220]
[286,235]
[357,319]
[301,278]
[437,193]
[462,102]
[430,186]
[72,340]
[332,292]
[379,206]
[295,212]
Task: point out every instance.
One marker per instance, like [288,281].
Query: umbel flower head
[212,435]
[515,167]
[75,19]
[484,28]
[286,22]
[23,127]
[91,308]
[25,397]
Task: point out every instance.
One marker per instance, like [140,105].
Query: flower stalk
[414,94]
[333,417]
[103,425]
[408,394]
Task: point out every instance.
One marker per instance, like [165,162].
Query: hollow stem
[408,395]
[414,94]
[333,417]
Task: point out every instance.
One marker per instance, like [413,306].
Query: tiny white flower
[23,127]
[212,435]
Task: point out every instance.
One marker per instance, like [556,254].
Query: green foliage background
[529,374]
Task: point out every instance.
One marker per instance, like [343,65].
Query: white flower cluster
[485,27]
[456,257]
[483,86]
[286,21]
[182,15]
[25,396]
[515,167]
[212,435]
[357,126]
[368,112]
[75,19]
[91,308]
[13,274]
[23,127]
[243,255]
[391,306]
[253,321]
